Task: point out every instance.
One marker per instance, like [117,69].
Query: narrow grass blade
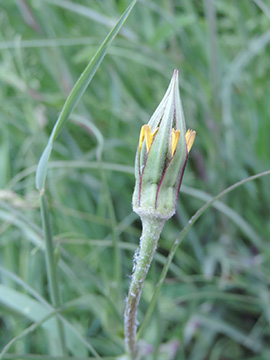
[76,94]
[239,221]
[42,315]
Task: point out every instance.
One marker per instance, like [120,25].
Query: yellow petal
[142,134]
[190,137]
[175,138]
[154,133]
[147,135]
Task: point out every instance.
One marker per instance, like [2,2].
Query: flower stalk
[161,158]
[151,229]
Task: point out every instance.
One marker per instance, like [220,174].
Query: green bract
[161,157]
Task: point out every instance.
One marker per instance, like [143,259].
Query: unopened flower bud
[161,157]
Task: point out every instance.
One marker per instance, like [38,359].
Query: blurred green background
[215,302]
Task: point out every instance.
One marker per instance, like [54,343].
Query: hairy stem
[151,229]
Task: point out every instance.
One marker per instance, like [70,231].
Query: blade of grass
[27,331]
[76,94]
[34,235]
[239,221]
[39,312]
[43,308]
[51,265]
[263,7]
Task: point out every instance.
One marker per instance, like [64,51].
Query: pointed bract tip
[175,79]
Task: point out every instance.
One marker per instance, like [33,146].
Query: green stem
[152,228]
[51,264]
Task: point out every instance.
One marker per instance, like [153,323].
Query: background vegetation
[215,301]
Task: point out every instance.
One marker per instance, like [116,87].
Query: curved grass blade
[76,94]
[233,215]
[42,314]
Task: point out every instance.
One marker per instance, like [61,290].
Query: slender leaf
[76,94]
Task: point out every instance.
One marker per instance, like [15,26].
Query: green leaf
[33,310]
[76,94]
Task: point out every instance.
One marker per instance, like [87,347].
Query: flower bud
[161,157]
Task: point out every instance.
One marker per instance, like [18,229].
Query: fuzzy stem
[151,229]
